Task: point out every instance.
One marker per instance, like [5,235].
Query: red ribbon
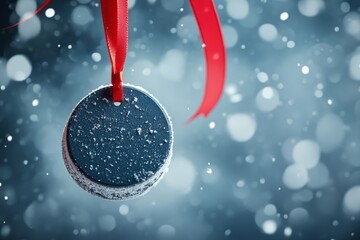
[115,18]
[47,2]
[215,55]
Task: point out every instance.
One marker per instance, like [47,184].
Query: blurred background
[279,158]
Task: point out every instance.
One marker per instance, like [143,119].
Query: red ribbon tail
[215,54]
[47,2]
[196,115]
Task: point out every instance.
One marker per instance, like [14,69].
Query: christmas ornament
[118,141]
[118,150]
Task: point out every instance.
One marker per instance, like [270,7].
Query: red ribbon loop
[115,19]
[215,55]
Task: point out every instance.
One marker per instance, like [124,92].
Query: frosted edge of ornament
[116,193]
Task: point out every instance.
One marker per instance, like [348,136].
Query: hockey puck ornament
[118,150]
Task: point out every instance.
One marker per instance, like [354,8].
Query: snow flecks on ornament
[119,146]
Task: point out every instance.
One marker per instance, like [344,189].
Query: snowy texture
[105,149]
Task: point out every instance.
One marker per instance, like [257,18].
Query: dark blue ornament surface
[119,145]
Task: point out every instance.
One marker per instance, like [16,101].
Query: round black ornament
[118,150]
